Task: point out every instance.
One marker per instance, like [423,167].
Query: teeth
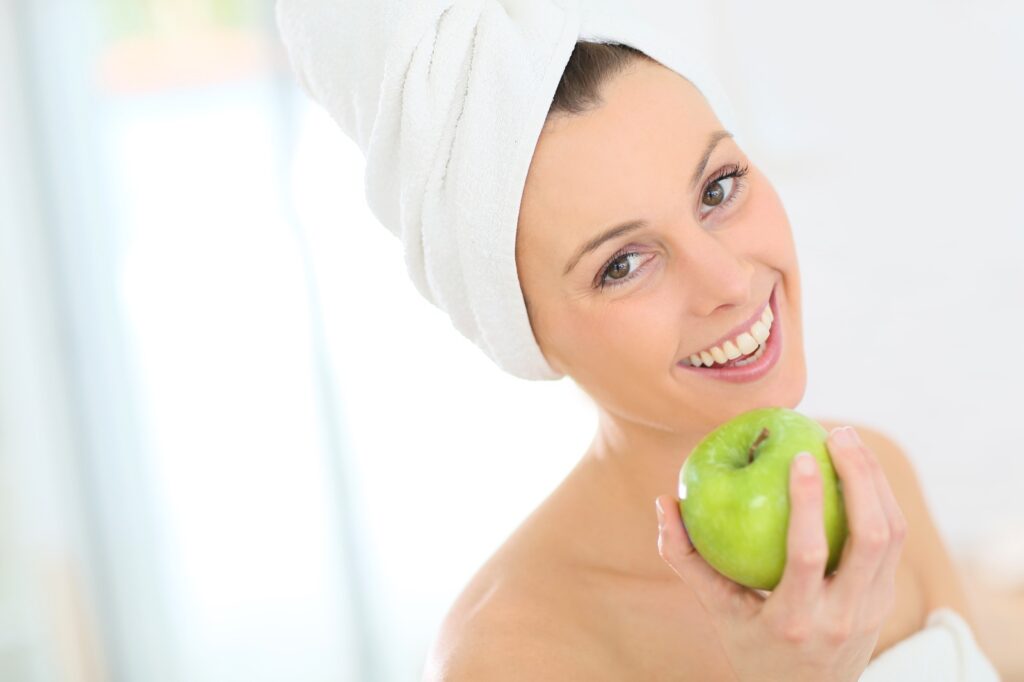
[751,341]
[752,358]
[746,343]
[719,355]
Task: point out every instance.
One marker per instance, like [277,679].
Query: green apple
[734,494]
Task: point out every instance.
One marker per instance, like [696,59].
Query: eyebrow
[632,225]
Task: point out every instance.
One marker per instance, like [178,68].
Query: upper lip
[740,328]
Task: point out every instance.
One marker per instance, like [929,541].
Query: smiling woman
[682,315]
[699,243]
[661,275]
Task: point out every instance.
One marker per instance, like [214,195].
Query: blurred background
[235,443]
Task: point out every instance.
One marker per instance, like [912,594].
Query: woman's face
[705,262]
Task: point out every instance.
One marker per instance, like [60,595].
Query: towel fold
[447,99]
[943,651]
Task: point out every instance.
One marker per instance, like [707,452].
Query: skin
[587,587]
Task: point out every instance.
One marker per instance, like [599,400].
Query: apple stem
[760,439]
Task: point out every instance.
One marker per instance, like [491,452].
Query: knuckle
[796,634]
[811,557]
[794,630]
[878,538]
[873,537]
[838,631]
[899,528]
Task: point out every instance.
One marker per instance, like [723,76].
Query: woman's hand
[811,627]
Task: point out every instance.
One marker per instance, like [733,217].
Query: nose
[719,276]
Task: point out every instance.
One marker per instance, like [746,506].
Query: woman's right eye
[618,270]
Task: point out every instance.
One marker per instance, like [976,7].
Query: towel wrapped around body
[945,650]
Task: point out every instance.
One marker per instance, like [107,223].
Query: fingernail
[845,435]
[661,513]
[804,463]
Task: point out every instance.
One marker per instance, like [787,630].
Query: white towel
[446,99]
[943,651]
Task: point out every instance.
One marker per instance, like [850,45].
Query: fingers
[894,515]
[806,546]
[712,588]
[869,537]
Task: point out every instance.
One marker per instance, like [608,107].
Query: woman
[595,591]
[579,209]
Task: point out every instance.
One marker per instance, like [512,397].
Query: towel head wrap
[447,99]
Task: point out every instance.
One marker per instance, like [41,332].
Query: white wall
[894,139]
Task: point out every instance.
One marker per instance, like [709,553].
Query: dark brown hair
[589,66]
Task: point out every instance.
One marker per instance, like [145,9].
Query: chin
[787,389]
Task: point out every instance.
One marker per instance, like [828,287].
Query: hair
[590,65]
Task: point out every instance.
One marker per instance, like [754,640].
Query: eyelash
[730,171]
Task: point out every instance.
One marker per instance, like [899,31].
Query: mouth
[747,353]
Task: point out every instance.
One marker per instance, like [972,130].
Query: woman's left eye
[722,189]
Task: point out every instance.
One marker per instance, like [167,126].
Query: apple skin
[737,512]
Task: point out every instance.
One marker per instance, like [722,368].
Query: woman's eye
[717,193]
[724,188]
[619,269]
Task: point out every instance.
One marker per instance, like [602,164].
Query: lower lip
[754,370]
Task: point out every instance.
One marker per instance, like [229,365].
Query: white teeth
[746,343]
[719,355]
[759,331]
[752,358]
[752,341]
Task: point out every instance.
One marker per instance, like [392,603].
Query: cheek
[631,334]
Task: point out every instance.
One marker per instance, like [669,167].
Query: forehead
[628,158]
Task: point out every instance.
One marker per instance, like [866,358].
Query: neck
[642,461]
[627,465]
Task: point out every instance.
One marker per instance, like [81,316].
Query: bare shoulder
[497,631]
[899,469]
[924,547]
